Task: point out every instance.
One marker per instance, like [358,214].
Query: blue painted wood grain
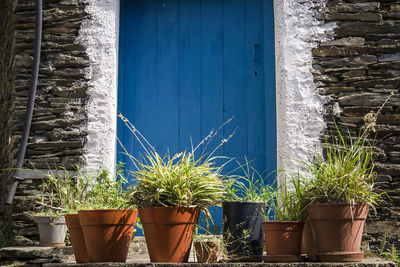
[186,66]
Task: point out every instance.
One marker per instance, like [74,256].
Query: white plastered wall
[99,34]
[299,108]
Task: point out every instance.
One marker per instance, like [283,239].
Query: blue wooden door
[187,66]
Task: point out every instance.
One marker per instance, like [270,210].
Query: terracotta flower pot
[107,233]
[51,231]
[77,239]
[206,252]
[337,230]
[308,244]
[169,232]
[283,238]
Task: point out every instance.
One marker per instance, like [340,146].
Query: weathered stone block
[357,7]
[388,169]
[349,41]
[389,57]
[362,99]
[361,29]
[362,16]
[334,90]
[349,61]
[353,74]
[341,51]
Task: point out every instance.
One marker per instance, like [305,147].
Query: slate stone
[364,55]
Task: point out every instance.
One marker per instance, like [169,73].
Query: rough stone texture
[33,253]
[244,264]
[59,125]
[63,257]
[59,120]
[356,72]
[6,97]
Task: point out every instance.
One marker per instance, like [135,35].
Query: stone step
[365,263]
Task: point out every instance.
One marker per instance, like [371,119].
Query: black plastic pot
[242,227]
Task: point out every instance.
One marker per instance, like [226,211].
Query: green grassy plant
[289,202]
[178,181]
[64,192]
[345,174]
[249,186]
[175,180]
[390,253]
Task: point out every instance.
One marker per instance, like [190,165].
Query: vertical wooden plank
[189,74]
[269,84]
[212,54]
[121,78]
[143,103]
[234,76]
[255,95]
[212,101]
[126,90]
[167,95]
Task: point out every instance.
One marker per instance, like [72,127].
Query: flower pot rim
[286,222]
[96,210]
[45,219]
[244,202]
[183,207]
[337,204]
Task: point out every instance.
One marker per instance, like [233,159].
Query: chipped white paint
[299,108]
[99,34]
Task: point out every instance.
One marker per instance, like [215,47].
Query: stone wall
[59,125]
[6,92]
[355,72]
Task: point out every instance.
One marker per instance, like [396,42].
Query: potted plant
[107,219]
[341,191]
[283,235]
[66,192]
[209,246]
[170,192]
[50,208]
[243,211]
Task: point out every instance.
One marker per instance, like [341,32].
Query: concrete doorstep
[138,257]
[63,257]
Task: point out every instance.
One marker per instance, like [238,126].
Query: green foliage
[346,173]
[390,253]
[64,192]
[250,186]
[178,181]
[289,202]
[211,235]
[106,192]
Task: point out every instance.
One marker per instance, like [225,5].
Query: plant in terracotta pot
[209,246]
[107,219]
[283,235]
[170,191]
[341,191]
[243,210]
